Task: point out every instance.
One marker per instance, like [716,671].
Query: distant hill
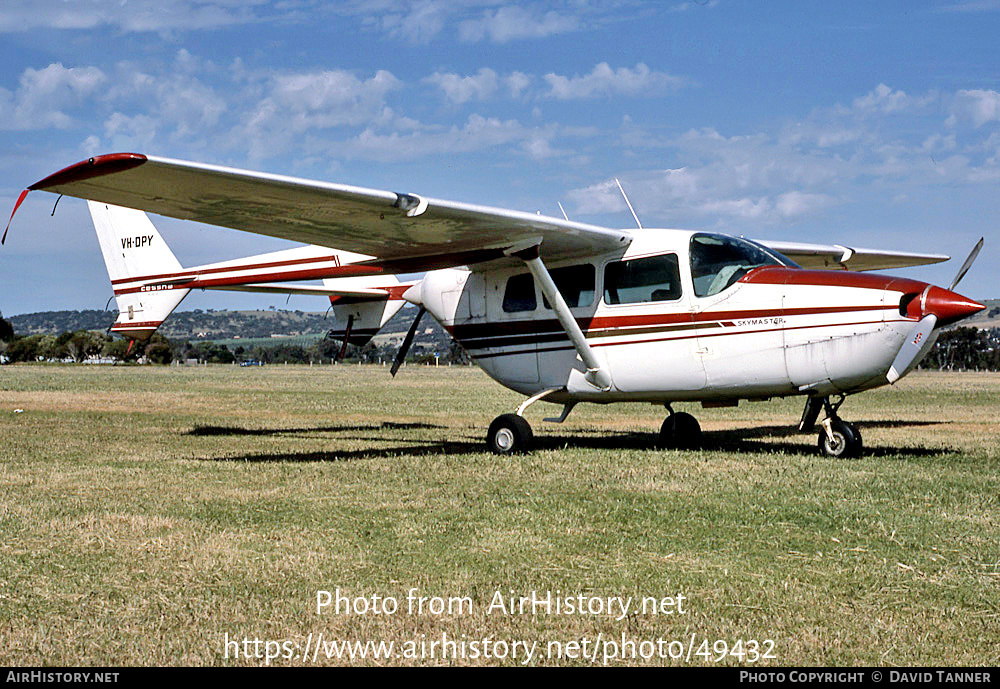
[212,325]
[990,318]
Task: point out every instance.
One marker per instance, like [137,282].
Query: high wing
[838,257]
[404,232]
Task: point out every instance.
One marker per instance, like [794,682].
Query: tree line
[84,345]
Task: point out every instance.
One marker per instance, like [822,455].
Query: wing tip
[92,167]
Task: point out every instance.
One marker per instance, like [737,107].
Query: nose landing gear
[837,438]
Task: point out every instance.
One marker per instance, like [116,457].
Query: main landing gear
[837,438]
[510,434]
[680,431]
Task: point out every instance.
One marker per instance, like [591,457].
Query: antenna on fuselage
[562,210]
[628,203]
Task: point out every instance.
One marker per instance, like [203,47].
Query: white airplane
[567,312]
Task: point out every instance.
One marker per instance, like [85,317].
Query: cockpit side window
[654,278]
[718,261]
[519,295]
[575,284]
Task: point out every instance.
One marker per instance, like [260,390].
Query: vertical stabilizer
[134,253]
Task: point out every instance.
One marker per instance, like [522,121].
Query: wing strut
[596,376]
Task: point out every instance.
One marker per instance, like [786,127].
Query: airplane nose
[949,307]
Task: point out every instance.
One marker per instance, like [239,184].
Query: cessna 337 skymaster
[566,312]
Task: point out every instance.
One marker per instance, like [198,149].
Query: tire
[680,431]
[846,441]
[509,434]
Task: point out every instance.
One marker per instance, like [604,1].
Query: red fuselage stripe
[485,331]
[685,337]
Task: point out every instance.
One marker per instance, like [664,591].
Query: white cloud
[418,23]
[480,86]
[604,81]
[458,89]
[478,133]
[514,22]
[981,106]
[517,83]
[43,96]
[134,15]
[795,203]
[884,100]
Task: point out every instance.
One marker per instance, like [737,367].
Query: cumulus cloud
[480,86]
[458,89]
[420,22]
[605,81]
[476,134]
[44,95]
[132,16]
[981,106]
[513,22]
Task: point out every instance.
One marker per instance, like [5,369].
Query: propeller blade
[968,264]
[407,341]
[914,342]
[347,337]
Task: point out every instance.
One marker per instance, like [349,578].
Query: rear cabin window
[576,285]
[519,294]
[656,278]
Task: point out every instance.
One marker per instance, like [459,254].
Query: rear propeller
[407,342]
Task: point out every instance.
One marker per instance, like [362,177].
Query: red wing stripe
[90,168]
[20,200]
[350,270]
[231,269]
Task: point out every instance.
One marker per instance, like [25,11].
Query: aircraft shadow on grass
[237,430]
[749,440]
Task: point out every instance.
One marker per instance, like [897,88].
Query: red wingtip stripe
[90,168]
[20,200]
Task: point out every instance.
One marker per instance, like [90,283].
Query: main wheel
[509,434]
[680,431]
[846,441]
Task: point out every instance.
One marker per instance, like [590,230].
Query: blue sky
[872,124]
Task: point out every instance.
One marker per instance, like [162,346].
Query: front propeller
[935,306]
[912,347]
[968,264]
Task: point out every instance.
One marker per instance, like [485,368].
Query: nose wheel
[680,431]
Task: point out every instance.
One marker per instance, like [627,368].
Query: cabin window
[520,294]
[656,278]
[576,285]
[718,261]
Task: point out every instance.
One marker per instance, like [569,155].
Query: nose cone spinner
[949,307]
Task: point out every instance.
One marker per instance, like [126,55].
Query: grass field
[146,513]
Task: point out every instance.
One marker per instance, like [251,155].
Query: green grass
[145,512]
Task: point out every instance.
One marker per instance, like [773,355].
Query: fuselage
[683,315]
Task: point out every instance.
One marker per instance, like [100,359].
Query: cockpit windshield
[718,261]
